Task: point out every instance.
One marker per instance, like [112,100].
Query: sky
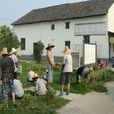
[11,10]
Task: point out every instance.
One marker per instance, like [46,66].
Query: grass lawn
[39,68]
[48,104]
[103,76]
[30,103]
[33,105]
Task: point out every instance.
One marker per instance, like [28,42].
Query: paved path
[91,103]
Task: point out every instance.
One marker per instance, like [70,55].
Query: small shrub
[38,51]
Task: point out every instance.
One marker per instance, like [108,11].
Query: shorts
[65,78]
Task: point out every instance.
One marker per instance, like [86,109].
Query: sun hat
[67,50]
[35,76]
[4,51]
[13,50]
[50,45]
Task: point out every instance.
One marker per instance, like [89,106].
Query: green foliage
[38,51]
[94,82]
[57,67]
[8,38]
[31,104]
[51,93]
[101,75]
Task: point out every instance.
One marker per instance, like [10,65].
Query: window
[86,39]
[67,43]
[53,27]
[113,47]
[22,43]
[67,25]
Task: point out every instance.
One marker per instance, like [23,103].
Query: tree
[38,50]
[8,38]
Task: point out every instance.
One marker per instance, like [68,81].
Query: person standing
[7,68]
[51,63]
[66,69]
[15,60]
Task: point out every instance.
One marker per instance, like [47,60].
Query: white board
[89,54]
[90,28]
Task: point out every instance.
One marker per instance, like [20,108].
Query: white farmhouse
[69,24]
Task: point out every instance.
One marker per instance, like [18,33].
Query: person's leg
[77,78]
[62,81]
[12,90]
[5,91]
[68,89]
[13,97]
[50,76]
[68,82]
[62,90]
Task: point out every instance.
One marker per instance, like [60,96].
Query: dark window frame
[86,38]
[67,25]
[53,27]
[67,43]
[23,43]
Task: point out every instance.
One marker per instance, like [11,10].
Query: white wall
[111,19]
[42,31]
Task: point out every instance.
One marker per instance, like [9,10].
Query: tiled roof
[66,11]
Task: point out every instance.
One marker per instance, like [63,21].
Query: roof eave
[23,23]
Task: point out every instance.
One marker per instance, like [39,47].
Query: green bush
[38,51]
[101,75]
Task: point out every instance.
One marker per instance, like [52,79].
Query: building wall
[111,26]
[111,19]
[42,31]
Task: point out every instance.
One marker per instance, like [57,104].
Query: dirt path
[91,103]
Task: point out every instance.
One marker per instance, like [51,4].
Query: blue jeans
[7,86]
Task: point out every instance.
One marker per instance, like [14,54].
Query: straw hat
[50,45]
[13,50]
[4,51]
[67,50]
[35,76]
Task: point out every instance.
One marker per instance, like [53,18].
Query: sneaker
[61,94]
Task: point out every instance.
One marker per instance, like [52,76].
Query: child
[31,75]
